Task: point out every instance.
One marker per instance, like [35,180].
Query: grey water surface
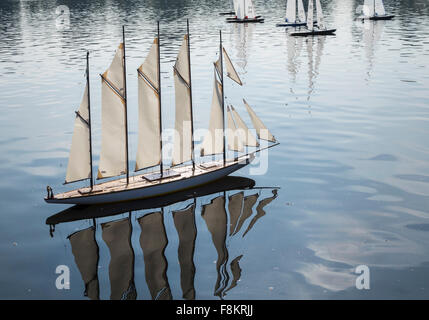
[350,176]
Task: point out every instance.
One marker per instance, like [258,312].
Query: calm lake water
[347,186]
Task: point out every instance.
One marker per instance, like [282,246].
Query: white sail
[117,236]
[236,5]
[368,8]
[213,141]
[113,142]
[149,148]
[231,73]
[182,151]
[246,136]
[301,12]
[234,141]
[261,129]
[79,165]
[320,17]
[291,11]
[240,9]
[379,8]
[310,16]
[85,252]
[250,9]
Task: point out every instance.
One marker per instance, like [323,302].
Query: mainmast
[125,104]
[159,102]
[223,94]
[190,96]
[89,118]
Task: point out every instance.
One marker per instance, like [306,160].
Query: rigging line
[181,78]
[82,118]
[115,90]
[145,78]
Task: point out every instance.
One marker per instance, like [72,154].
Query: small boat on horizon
[374,10]
[312,29]
[114,148]
[244,12]
[295,14]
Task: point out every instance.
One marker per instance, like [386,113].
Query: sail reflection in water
[117,235]
[313,57]
[184,221]
[153,241]
[85,252]
[224,211]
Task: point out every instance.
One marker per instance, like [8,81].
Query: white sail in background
[234,141]
[231,73]
[246,136]
[301,12]
[113,142]
[240,10]
[261,129]
[379,8]
[236,5]
[310,25]
[368,8]
[320,17]
[85,252]
[182,151]
[79,165]
[149,148]
[184,221]
[153,240]
[213,141]
[291,11]
[117,236]
[250,9]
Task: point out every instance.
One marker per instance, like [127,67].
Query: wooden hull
[140,188]
[314,33]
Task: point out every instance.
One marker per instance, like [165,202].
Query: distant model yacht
[244,12]
[295,14]
[374,10]
[311,29]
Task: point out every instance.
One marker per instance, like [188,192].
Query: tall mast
[223,93]
[125,101]
[89,118]
[159,101]
[190,97]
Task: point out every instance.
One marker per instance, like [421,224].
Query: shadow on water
[223,222]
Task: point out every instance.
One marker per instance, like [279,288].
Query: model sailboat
[114,148]
[244,12]
[374,10]
[295,14]
[311,29]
